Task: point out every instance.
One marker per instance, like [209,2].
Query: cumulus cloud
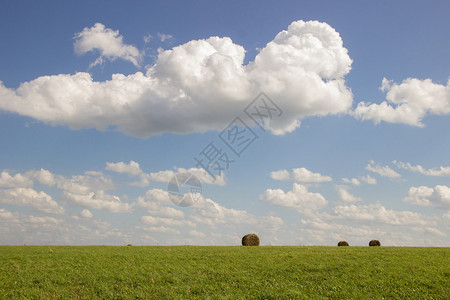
[5,215]
[298,198]
[206,211]
[407,103]
[384,171]
[86,214]
[165,37]
[157,202]
[194,87]
[369,179]
[442,171]
[133,169]
[107,42]
[345,196]
[160,221]
[84,184]
[18,180]
[99,200]
[42,176]
[299,175]
[353,181]
[376,213]
[439,196]
[28,197]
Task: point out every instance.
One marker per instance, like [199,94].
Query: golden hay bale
[250,240]
[374,243]
[343,243]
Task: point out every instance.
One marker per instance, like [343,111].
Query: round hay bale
[374,243]
[343,243]
[250,240]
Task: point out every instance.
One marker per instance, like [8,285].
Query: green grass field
[187,272]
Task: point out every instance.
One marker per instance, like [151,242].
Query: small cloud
[107,42]
[345,196]
[86,214]
[165,37]
[407,103]
[300,175]
[369,179]
[147,38]
[384,171]
[441,171]
[353,181]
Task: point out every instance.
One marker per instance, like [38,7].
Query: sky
[305,122]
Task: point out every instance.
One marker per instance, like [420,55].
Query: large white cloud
[439,196]
[106,41]
[198,86]
[408,102]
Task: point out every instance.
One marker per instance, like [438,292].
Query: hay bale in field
[343,243]
[250,240]
[374,243]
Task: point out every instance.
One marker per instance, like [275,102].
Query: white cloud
[155,202]
[442,171]
[408,102]
[5,215]
[299,175]
[376,213]
[439,196]
[18,180]
[206,211]
[369,179]
[345,196]
[86,214]
[133,169]
[198,86]
[155,221]
[84,184]
[280,175]
[42,176]
[384,171]
[353,181]
[298,198]
[28,197]
[165,37]
[161,229]
[107,42]
[99,200]
[197,234]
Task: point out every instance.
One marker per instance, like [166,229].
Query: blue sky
[101,104]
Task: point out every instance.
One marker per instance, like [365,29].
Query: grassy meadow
[194,272]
